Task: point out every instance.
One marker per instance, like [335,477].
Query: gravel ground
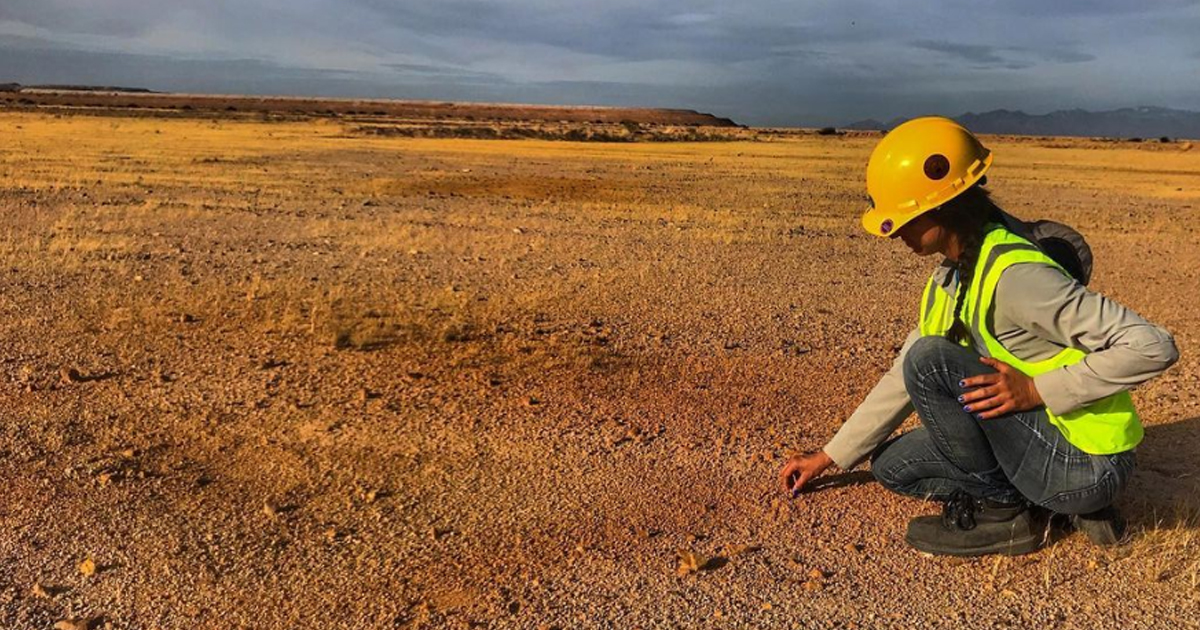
[268,375]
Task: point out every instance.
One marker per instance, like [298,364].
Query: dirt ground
[265,375]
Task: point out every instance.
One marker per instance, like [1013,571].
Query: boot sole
[1014,547]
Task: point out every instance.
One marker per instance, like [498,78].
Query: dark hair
[967,216]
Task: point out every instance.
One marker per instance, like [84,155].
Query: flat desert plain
[280,375]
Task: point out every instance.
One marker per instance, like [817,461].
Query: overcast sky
[757,61]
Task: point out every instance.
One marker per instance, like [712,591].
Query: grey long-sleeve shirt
[1037,312]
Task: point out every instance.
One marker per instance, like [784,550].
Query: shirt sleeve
[884,409]
[1124,349]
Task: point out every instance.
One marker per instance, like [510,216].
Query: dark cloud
[635,32]
[121,18]
[758,61]
[32,61]
[428,72]
[971,52]
[1066,56]
[1085,8]
[1007,57]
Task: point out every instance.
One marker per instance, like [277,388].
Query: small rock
[41,591]
[70,375]
[813,586]
[646,533]
[816,574]
[88,567]
[73,624]
[739,550]
[270,510]
[690,562]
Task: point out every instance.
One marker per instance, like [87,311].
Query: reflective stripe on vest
[1106,426]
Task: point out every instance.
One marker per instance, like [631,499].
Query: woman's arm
[884,409]
[1124,348]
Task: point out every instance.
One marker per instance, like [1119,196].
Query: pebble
[69,375]
[88,567]
[738,550]
[690,562]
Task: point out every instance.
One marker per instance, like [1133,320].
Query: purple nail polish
[962,383]
[960,399]
[967,408]
[979,416]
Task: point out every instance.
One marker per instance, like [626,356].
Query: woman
[1019,373]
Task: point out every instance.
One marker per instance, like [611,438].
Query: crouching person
[1019,374]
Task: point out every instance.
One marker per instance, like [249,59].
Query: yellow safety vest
[1106,426]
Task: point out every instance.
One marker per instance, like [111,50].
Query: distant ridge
[139,98]
[1129,122]
[17,87]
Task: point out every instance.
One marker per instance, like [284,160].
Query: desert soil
[272,375]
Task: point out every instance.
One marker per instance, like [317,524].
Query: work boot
[976,527]
[1103,527]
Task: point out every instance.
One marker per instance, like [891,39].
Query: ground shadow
[843,480]
[1165,489]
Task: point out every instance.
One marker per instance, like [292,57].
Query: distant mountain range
[1130,122]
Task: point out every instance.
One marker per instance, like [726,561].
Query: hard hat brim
[884,222]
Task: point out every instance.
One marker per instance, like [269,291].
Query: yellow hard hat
[919,166]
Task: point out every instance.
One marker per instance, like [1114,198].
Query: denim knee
[924,352]
[884,465]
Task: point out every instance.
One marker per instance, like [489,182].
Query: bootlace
[959,511]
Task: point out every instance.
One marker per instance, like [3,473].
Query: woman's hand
[800,469]
[993,395]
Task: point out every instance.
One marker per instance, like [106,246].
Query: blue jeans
[1007,459]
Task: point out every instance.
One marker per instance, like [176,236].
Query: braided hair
[967,216]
